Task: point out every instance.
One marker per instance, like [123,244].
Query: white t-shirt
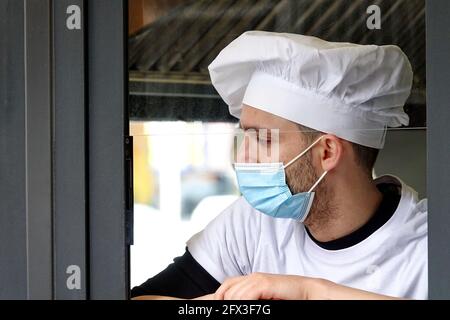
[392,261]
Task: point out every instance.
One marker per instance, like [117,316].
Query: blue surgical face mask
[264,186]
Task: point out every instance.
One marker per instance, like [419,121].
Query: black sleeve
[184,278]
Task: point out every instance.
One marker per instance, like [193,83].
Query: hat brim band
[308,108]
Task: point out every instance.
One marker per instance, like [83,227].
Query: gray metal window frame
[69,152]
[64,179]
[38,148]
[13,208]
[109,200]
[438,151]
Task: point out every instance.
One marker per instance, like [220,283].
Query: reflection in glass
[183,179]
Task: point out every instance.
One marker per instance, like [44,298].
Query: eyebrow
[255,127]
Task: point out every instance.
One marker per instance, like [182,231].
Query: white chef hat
[350,90]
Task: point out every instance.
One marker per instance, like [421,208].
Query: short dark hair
[365,156]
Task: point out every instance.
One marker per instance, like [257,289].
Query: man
[312,224]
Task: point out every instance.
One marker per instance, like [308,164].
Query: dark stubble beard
[300,177]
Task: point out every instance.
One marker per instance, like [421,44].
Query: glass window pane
[183,132]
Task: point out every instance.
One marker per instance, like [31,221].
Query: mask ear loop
[304,151]
[318,181]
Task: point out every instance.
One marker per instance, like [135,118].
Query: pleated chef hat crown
[350,90]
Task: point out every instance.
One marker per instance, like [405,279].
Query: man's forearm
[153,297]
[328,290]
[316,289]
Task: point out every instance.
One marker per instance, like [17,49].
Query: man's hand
[266,286]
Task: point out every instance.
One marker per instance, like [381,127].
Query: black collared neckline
[387,207]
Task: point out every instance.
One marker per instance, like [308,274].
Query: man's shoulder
[409,200]
[416,221]
[416,210]
[410,223]
[408,226]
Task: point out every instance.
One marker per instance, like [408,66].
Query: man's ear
[330,150]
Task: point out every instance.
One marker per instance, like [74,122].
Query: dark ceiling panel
[182,43]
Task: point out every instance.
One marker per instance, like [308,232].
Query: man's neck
[353,205]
